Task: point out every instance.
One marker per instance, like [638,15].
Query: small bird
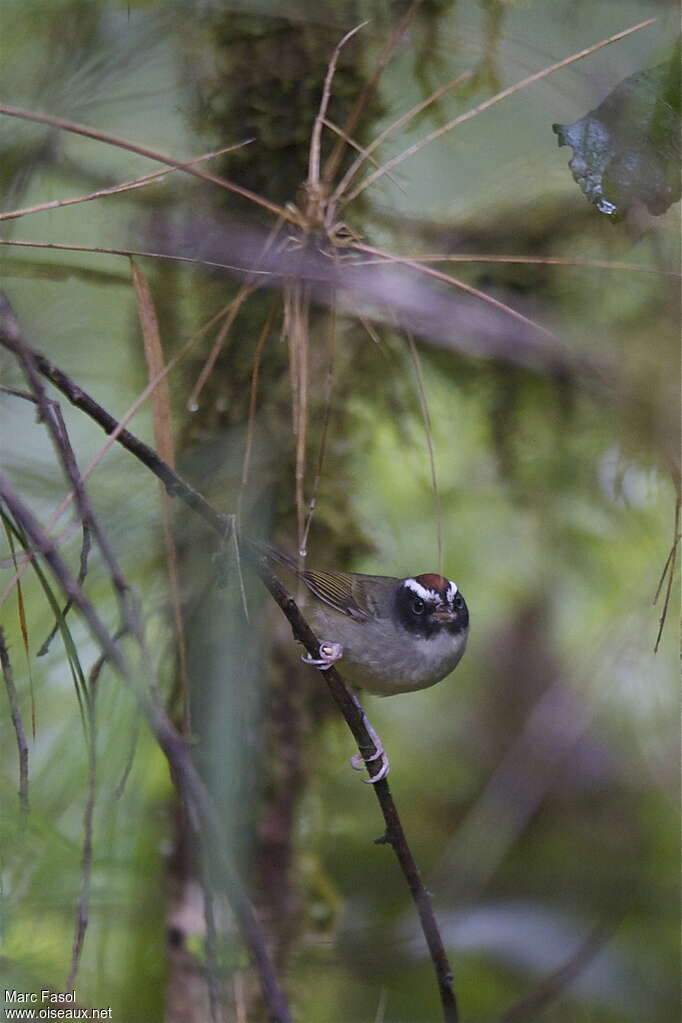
[389,635]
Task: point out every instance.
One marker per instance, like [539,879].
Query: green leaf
[627,151]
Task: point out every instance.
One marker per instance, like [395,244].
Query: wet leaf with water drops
[626,152]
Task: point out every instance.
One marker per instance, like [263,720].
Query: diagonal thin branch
[462,285]
[669,571]
[405,118]
[17,722]
[103,251]
[125,186]
[168,738]
[351,122]
[476,257]
[316,137]
[82,909]
[202,814]
[151,154]
[428,431]
[11,337]
[184,774]
[86,544]
[553,986]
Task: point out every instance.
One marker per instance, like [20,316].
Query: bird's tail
[272,554]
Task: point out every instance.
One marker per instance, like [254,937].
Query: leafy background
[540,784]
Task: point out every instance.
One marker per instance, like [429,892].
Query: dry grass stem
[99,250]
[246,462]
[151,154]
[426,417]
[332,163]
[589,264]
[23,627]
[111,440]
[17,722]
[317,482]
[316,136]
[358,148]
[126,186]
[401,122]
[457,283]
[669,572]
[461,118]
[165,445]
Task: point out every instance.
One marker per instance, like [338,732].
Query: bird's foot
[330,653]
[359,761]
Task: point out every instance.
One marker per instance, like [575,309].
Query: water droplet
[606,206]
[192,406]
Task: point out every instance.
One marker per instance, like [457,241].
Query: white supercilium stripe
[420,590]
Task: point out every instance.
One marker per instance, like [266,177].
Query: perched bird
[388,635]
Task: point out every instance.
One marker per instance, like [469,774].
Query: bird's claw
[358,762]
[330,653]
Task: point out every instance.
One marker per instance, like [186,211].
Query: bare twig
[16,393]
[11,337]
[461,285]
[163,438]
[394,834]
[125,186]
[334,158]
[246,290]
[669,571]
[316,137]
[21,611]
[322,450]
[191,789]
[22,745]
[151,154]
[184,774]
[358,148]
[426,418]
[82,572]
[481,257]
[365,154]
[547,992]
[246,461]
[170,741]
[85,545]
[117,427]
[82,909]
[103,251]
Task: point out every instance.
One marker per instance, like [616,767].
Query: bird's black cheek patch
[462,619]
[421,625]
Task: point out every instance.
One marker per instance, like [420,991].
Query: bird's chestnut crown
[429,603]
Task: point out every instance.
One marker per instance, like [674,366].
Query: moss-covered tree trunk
[254,708]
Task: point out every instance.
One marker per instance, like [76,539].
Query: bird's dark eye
[458,602]
[418,606]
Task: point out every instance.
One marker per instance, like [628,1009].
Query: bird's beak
[444,614]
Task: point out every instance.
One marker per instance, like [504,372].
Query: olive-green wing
[347,592]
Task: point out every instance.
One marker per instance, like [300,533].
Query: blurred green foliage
[539,785]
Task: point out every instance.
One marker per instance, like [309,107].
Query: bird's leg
[330,653]
[359,760]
